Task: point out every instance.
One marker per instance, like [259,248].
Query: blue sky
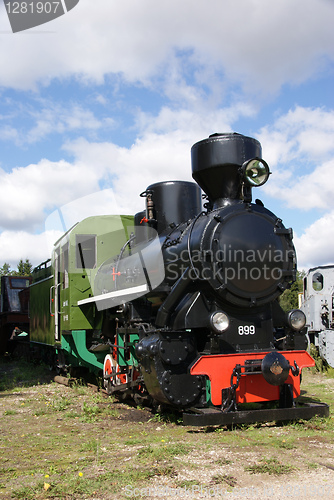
[114,94]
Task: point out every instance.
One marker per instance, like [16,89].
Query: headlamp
[296,319]
[255,172]
[219,321]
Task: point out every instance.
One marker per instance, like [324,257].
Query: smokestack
[216,162]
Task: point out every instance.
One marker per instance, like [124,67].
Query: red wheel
[112,373]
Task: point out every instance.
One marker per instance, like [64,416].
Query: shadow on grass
[17,373]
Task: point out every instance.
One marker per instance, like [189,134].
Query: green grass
[270,466]
[86,446]
[10,412]
[225,479]
[22,374]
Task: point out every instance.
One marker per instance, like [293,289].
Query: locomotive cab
[317,302]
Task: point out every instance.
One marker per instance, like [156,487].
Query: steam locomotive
[179,304]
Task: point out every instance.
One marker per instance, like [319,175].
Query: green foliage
[23,269]
[289,298]
[5,270]
[321,365]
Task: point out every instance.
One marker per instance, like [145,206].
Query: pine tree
[20,269]
[5,270]
[24,268]
[27,268]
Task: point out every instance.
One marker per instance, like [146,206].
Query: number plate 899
[246,330]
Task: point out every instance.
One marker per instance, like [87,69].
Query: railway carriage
[14,307]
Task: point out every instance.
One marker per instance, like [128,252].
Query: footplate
[213,416]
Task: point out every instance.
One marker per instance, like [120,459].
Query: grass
[58,442]
[21,374]
[270,466]
[224,478]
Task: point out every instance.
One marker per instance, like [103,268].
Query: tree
[23,268]
[5,270]
[289,298]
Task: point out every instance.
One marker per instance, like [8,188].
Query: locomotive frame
[178,304]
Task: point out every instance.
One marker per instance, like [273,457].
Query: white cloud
[101,99]
[59,120]
[130,170]
[304,192]
[8,133]
[192,123]
[27,192]
[299,148]
[300,133]
[16,245]
[40,118]
[64,217]
[208,59]
[315,246]
[255,43]
[161,152]
[21,244]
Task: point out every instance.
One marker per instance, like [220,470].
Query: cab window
[317,282]
[85,246]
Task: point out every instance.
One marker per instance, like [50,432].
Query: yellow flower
[46,476]
[80,474]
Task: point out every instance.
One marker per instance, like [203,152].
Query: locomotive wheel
[112,375]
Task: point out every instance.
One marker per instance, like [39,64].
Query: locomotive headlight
[219,321]
[255,172]
[296,319]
